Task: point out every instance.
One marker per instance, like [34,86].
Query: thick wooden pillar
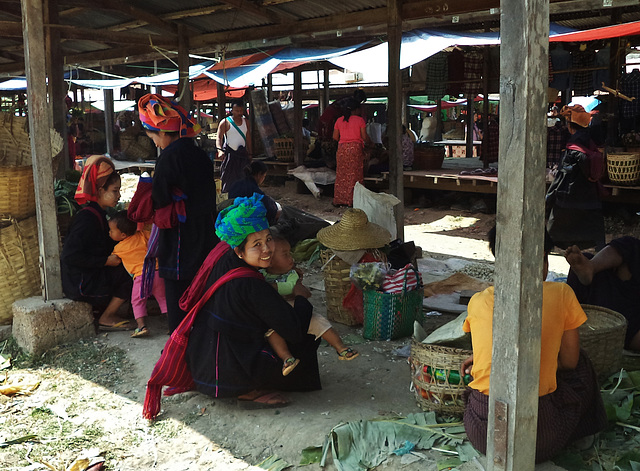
[56,85]
[184,85]
[269,87]
[39,132]
[396,183]
[513,394]
[297,116]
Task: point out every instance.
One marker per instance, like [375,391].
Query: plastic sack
[353,302]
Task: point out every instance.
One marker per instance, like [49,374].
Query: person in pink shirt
[350,132]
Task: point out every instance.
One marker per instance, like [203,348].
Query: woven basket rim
[622,321]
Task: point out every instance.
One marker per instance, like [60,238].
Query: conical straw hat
[354,232]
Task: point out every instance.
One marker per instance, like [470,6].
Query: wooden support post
[438,136]
[404,110]
[56,85]
[39,132]
[297,117]
[326,95]
[614,78]
[184,85]
[320,93]
[484,148]
[468,124]
[107,93]
[396,183]
[269,87]
[513,393]
[221,100]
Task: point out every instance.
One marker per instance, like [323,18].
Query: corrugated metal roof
[216,16]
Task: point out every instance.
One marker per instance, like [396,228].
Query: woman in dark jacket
[90,272]
[183,172]
[574,207]
[228,354]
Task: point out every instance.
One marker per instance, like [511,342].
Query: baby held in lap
[283,276]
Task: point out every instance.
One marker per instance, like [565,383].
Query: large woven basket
[15,147]
[17,192]
[433,394]
[623,168]
[284,149]
[336,286]
[602,337]
[18,263]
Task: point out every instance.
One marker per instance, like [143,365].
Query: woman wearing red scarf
[90,273]
[185,169]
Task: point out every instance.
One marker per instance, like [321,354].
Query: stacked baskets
[18,227]
[624,168]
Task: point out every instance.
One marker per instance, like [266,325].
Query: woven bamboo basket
[624,168]
[17,193]
[433,394]
[19,263]
[15,147]
[284,149]
[336,286]
[602,337]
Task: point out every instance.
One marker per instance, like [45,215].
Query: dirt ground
[90,394]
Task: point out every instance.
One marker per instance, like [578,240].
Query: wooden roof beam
[260,11]
[118,5]
[12,29]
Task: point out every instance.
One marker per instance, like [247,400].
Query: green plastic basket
[389,316]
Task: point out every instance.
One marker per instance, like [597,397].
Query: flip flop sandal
[117,327]
[348,354]
[288,365]
[140,332]
[270,400]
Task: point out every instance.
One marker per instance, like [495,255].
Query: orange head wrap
[158,113]
[97,169]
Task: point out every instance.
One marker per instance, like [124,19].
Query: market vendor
[183,172]
[90,273]
[610,279]
[569,406]
[245,309]
[234,144]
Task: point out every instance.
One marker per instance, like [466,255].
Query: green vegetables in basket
[368,276]
[64,192]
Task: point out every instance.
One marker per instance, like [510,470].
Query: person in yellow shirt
[131,248]
[570,406]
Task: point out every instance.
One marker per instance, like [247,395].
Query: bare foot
[580,265]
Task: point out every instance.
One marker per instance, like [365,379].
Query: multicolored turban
[158,113]
[97,169]
[245,216]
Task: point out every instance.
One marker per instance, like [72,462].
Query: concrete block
[40,325]
[5,332]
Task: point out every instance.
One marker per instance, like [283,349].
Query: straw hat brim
[368,236]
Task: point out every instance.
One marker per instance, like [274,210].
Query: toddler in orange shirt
[132,249]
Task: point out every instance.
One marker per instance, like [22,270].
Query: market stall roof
[123,33]
[240,72]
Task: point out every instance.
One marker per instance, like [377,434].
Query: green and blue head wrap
[245,216]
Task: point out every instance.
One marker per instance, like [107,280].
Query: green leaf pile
[358,446]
